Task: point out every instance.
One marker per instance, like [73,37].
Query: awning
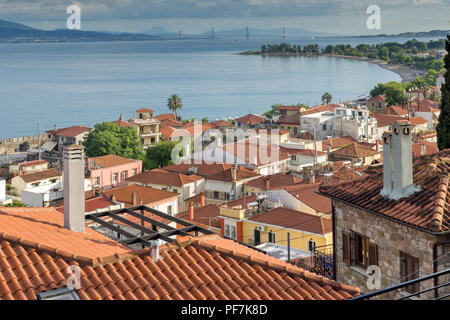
[49,146]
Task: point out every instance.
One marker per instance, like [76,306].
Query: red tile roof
[43,229]
[70,132]
[293,119]
[278,180]
[288,218]
[386,120]
[166,178]
[394,111]
[307,193]
[428,209]
[425,106]
[417,121]
[239,203]
[380,98]
[201,268]
[317,109]
[148,195]
[144,110]
[121,123]
[33,163]
[93,204]
[166,116]
[250,119]
[111,160]
[207,215]
[221,124]
[41,175]
[292,108]
[244,150]
[354,151]
[303,152]
[203,169]
[242,173]
[337,142]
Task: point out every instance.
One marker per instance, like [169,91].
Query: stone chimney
[397,162]
[74,210]
[191,211]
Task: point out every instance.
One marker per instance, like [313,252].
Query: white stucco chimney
[397,162]
[74,209]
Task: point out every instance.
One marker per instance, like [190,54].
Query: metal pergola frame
[147,234]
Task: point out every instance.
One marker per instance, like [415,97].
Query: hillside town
[335,201]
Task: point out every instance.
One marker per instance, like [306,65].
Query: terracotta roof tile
[70,131]
[293,219]
[250,119]
[110,160]
[148,195]
[41,175]
[354,150]
[207,215]
[428,209]
[307,193]
[273,181]
[166,178]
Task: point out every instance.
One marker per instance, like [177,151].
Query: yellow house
[240,220]
[147,127]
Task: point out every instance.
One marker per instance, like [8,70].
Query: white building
[356,123]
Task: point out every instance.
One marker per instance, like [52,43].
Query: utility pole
[39,141]
[315,148]
[289,247]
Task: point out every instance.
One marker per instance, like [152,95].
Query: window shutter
[346,247]
[373,254]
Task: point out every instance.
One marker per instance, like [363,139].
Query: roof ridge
[277,266]
[439,204]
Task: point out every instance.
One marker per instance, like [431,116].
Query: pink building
[111,170]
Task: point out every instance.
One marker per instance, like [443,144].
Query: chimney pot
[154,253]
[74,206]
[191,211]
[202,199]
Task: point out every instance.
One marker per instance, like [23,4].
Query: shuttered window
[346,247]
[365,253]
[409,267]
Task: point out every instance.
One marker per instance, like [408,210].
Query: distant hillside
[14,32]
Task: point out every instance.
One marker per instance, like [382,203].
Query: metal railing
[436,287]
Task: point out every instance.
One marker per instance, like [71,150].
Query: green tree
[16,203]
[272,112]
[395,94]
[443,127]
[174,103]
[378,90]
[159,155]
[110,138]
[327,98]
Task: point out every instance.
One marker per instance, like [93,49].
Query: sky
[343,17]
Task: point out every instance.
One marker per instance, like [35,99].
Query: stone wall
[391,238]
[11,145]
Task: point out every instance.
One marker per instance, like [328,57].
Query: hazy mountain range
[15,32]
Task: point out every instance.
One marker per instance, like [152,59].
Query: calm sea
[87,83]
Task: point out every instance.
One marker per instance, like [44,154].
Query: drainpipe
[333,222]
[435,262]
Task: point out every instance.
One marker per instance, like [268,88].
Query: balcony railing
[434,276]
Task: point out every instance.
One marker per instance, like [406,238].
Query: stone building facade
[392,239]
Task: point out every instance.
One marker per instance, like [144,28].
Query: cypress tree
[443,127]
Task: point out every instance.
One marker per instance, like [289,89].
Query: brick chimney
[74,210]
[202,199]
[267,182]
[191,211]
[397,162]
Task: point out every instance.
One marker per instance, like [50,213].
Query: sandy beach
[407,74]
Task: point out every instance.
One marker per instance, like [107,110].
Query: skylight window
[58,294]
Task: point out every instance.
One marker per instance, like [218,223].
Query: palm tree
[327,98]
[174,103]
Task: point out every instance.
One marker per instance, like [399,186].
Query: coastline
[407,74]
